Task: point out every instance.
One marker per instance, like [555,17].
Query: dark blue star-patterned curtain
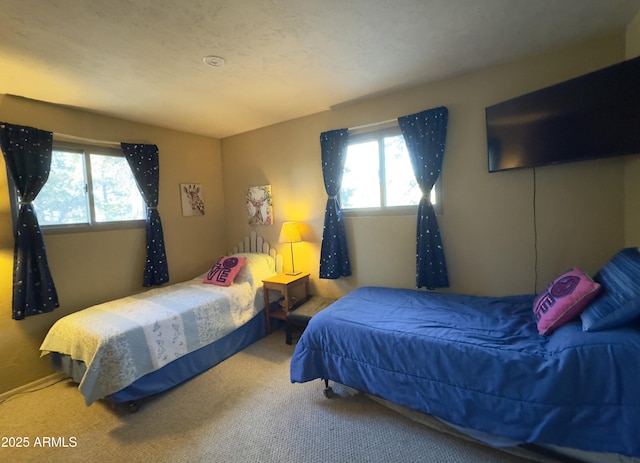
[425,134]
[27,154]
[144,163]
[334,254]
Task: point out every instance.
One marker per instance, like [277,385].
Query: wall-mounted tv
[592,116]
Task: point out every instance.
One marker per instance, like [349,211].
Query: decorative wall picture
[260,205]
[192,202]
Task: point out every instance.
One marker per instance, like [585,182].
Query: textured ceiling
[142,59]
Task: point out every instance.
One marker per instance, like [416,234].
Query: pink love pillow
[224,271]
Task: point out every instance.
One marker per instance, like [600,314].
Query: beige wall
[488,221]
[632,167]
[89,268]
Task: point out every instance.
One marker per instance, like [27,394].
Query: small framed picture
[192,202]
[260,205]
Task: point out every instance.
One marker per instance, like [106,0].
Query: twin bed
[137,346]
[481,365]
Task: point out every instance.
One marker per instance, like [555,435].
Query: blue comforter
[479,363]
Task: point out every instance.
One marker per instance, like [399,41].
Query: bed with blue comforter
[480,363]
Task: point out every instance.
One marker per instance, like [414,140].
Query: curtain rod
[373,124]
[64,136]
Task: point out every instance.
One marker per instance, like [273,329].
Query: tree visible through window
[378,173]
[86,186]
[63,199]
[115,194]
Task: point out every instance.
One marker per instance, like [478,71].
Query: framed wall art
[260,205]
[192,202]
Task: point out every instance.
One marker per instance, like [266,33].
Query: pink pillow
[224,271]
[563,300]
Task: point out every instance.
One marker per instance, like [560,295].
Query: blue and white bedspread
[479,363]
[122,340]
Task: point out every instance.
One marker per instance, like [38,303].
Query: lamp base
[292,274]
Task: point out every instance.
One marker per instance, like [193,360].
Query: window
[378,174]
[89,186]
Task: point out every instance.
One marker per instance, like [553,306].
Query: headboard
[255,244]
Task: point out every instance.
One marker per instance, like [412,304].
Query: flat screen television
[592,116]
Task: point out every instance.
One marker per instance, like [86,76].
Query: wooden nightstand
[284,283]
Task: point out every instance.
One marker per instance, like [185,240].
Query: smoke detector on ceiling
[214,61]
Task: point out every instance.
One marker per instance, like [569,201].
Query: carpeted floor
[243,410]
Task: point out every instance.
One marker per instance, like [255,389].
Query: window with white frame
[89,186]
[378,174]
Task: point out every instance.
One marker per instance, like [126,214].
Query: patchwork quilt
[122,340]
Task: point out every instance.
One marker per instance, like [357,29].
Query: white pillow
[257,267]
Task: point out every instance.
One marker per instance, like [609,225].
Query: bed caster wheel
[328,392]
[133,407]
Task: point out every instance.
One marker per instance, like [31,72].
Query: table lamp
[289,233]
